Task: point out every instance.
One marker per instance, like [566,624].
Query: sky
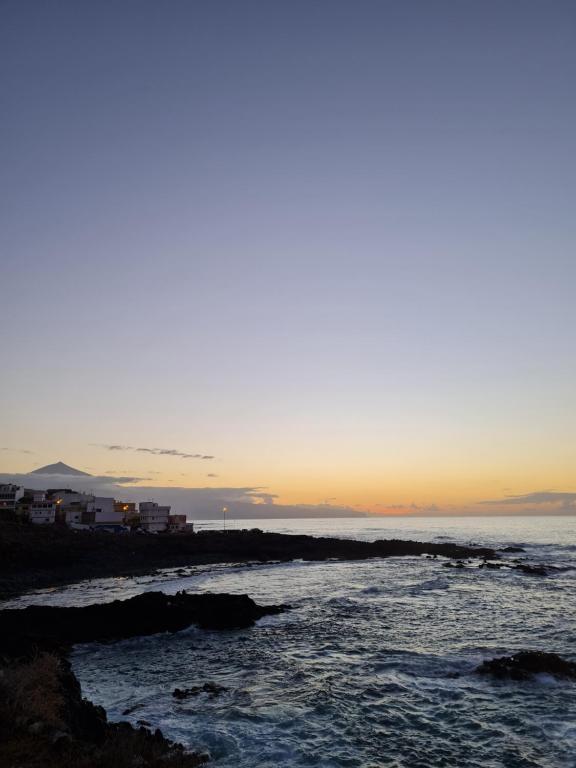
[315,252]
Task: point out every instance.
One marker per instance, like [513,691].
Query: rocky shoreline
[34,559]
[40,627]
[45,722]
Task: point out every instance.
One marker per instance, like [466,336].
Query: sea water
[373,666]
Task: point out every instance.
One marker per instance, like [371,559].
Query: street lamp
[224,510]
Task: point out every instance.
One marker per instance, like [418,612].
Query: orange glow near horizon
[404,482]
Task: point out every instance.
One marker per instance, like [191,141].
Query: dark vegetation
[33,557]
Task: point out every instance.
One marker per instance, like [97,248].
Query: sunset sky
[324,248]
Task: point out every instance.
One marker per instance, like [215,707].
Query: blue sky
[329,243]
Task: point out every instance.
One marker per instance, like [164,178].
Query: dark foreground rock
[523,665]
[45,723]
[33,557]
[146,614]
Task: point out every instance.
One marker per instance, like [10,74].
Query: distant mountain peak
[59,469]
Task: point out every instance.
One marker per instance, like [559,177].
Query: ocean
[373,666]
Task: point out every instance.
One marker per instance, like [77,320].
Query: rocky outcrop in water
[45,722]
[145,614]
[513,549]
[515,565]
[212,689]
[525,664]
[532,570]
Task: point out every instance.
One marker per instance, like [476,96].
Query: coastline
[33,559]
[34,642]
[44,720]
[343,600]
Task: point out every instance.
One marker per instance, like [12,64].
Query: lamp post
[224,510]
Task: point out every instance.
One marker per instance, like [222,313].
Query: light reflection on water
[372,667]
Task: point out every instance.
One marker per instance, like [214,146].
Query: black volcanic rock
[532,570]
[56,727]
[39,556]
[513,549]
[46,723]
[146,614]
[212,689]
[522,665]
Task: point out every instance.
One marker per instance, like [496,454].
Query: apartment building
[153,518]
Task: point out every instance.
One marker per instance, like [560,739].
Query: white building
[42,512]
[153,518]
[74,514]
[10,494]
[102,510]
[71,506]
[67,498]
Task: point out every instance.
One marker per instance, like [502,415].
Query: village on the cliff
[85,511]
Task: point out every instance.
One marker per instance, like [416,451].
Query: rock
[50,627]
[130,710]
[513,549]
[36,728]
[522,665]
[213,689]
[532,570]
[60,738]
[62,556]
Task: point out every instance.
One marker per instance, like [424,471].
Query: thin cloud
[538,497]
[95,482]
[262,497]
[155,451]
[410,509]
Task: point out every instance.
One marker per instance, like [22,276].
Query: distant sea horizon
[384,516]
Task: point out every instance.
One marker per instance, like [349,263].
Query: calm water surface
[372,667]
